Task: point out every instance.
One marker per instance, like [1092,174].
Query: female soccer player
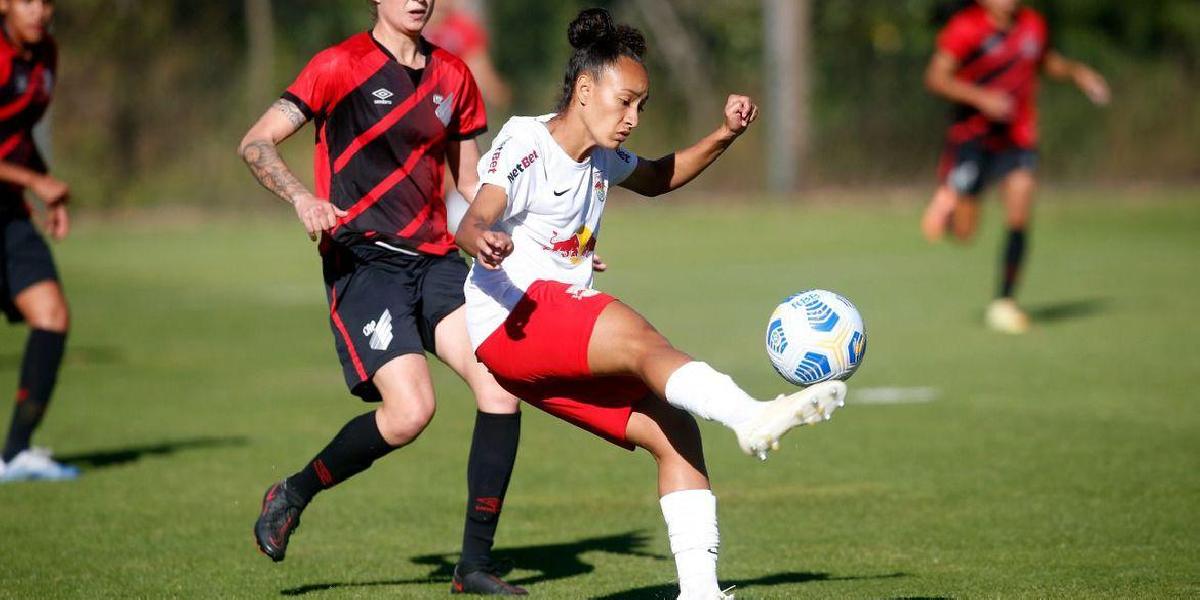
[580,354]
[391,111]
[31,292]
[987,61]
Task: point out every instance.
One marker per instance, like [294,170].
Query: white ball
[814,336]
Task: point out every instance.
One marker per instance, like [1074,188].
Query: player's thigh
[454,349]
[1018,189]
[406,389]
[621,340]
[44,306]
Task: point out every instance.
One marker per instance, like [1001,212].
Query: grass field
[1063,463]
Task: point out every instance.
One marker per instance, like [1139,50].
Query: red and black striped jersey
[1003,60]
[26,86]
[382,134]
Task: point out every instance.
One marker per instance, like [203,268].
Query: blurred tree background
[154,96]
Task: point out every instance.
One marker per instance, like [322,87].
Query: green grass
[1062,463]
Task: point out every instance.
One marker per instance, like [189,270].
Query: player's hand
[996,106]
[50,190]
[492,247]
[57,223]
[598,264]
[317,215]
[740,112]
[1093,85]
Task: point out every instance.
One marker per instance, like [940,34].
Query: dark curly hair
[598,43]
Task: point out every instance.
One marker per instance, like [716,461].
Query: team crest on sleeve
[599,185]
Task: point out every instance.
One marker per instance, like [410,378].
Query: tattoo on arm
[268,167]
[293,113]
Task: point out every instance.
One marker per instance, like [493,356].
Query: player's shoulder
[447,60]
[343,54]
[525,131]
[971,19]
[1029,17]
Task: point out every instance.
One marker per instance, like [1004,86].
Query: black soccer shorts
[971,167]
[384,304]
[25,259]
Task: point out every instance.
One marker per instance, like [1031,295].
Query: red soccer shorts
[540,355]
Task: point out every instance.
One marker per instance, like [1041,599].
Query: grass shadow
[101,459]
[1054,312]
[670,591]
[551,561]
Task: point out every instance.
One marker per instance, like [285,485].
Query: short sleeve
[958,38]
[621,164]
[312,89]
[470,116]
[509,165]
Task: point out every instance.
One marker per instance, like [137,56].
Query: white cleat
[1005,316]
[717,595]
[808,406]
[35,464]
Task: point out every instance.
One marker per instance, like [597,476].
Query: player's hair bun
[594,29]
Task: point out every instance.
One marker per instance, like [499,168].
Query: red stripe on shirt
[23,100]
[10,144]
[387,184]
[385,123]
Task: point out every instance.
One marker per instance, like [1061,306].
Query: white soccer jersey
[553,215]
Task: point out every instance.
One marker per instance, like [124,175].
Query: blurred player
[577,353]
[31,292]
[987,62]
[391,111]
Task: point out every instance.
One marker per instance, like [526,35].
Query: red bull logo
[581,244]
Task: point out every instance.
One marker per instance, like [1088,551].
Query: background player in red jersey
[987,62]
[391,111]
[28,278]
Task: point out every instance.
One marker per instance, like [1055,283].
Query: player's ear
[584,86]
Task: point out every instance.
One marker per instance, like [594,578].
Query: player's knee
[497,401]
[402,421]
[50,316]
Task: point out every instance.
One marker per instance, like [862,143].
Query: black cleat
[279,518]
[484,582]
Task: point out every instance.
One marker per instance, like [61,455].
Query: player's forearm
[262,156]
[955,90]
[16,174]
[677,170]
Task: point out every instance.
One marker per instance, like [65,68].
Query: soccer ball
[815,336]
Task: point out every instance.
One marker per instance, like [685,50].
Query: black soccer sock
[39,372]
[489,468]
[1014,257]
[351,452]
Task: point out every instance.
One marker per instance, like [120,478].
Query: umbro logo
[382,96]
[380,331]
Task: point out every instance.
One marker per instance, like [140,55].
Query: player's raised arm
[259,148]
[1091,83]
[475,236]
[673,171]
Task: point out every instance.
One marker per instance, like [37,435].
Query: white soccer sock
[691,517]
[711,395]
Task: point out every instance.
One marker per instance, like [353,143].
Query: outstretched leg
[1004,315]
[624,343]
